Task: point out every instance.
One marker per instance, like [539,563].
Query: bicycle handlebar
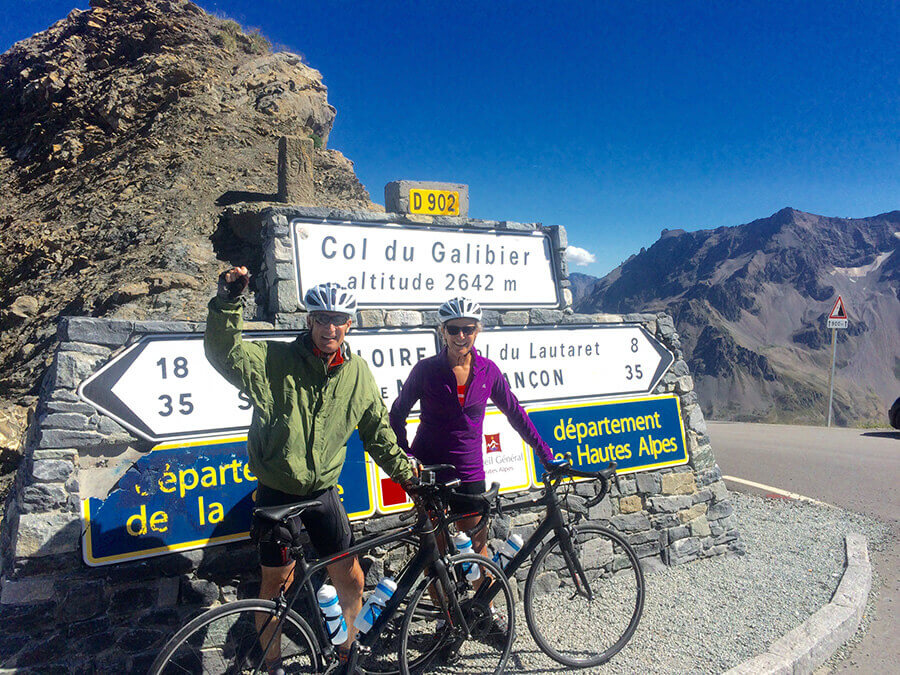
[427,486]
[557,473]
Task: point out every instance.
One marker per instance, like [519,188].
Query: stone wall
[59,615]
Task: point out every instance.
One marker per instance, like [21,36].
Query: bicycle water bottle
[334,616]
[508,550]
[376,602]
[464,545]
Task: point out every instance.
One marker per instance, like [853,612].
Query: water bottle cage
[374,613]
[332,633]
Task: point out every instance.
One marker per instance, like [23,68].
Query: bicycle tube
[572,563]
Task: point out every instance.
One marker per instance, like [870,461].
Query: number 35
[184,401]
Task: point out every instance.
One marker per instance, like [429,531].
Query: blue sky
[615,119]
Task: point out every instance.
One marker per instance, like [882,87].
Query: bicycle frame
[552,522]
[421,534]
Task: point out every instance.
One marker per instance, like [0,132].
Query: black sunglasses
[460,330]
[330,319]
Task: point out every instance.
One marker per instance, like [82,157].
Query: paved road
[855,469]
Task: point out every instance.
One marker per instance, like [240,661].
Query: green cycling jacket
[302,413]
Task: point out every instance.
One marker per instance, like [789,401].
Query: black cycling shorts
[472,487]
[327,525]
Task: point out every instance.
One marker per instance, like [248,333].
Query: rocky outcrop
[125,131]
[750,303]
[581,285]
[717,354]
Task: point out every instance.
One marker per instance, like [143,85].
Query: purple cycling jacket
[452,434]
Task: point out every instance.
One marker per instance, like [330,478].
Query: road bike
[437,620]
[584,591]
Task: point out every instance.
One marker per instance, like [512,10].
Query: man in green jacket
[308,396]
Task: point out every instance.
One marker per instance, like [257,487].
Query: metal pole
[831,379]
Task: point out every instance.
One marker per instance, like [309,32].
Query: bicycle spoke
[226,640]
[584,626]
[384,659]
[437,642]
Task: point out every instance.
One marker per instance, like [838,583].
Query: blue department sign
[188,495]
[638,434]
[193,494]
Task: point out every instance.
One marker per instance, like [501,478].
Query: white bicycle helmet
[459,308]
[329,297]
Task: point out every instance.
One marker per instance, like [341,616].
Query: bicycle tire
[426,647]
[225,640]
[383,657]
[600,627]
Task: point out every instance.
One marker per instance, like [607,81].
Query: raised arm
[242,364]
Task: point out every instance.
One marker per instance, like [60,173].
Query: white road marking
[777,491]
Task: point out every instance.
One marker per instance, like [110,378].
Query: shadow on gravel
[883,434]
[515,660]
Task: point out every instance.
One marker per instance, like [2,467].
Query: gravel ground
[710,615]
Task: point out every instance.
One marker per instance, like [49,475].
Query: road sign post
[836,320]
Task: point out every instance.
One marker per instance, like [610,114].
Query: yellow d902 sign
[434,202]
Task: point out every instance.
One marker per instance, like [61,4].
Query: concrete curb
[811,644]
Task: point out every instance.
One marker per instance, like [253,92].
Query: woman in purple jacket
[454,388]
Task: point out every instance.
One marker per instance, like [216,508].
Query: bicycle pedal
[449,655]
[336,668]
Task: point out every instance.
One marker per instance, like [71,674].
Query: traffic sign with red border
[838,317]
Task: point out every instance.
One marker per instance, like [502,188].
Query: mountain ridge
[750,302]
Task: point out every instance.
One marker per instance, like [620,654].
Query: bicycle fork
[567,548]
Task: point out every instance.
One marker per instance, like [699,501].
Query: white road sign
[163,388]
[419,267]
[558,363]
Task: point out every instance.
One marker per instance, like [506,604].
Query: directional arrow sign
[163,388]
[557,363]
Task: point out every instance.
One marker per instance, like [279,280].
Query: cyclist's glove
[229,291]
[555,463]
[410,484]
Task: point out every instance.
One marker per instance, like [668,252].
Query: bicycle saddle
[276,514]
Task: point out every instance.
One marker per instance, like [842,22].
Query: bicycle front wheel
[432,640]
[226,639]
[582,625]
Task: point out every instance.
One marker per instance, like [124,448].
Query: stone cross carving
[295,170]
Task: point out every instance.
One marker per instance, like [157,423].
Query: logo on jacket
[492,441]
